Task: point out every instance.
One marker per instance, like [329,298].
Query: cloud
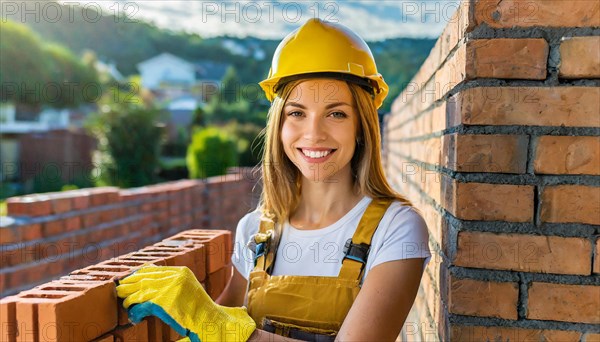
[373,20]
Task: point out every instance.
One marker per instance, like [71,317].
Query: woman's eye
[296,114]
[339,115]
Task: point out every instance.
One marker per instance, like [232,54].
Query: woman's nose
[314,129]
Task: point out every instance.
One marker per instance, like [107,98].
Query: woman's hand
[174,295]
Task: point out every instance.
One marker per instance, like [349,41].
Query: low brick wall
[496,140]
[83,305]
[49,235]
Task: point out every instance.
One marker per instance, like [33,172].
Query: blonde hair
[282,179]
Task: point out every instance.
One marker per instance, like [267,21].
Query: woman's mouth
[316,156]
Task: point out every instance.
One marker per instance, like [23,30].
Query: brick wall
[496,139]
[51,234]
[83,306]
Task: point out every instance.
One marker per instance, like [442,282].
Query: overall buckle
[259,244]
[356,252]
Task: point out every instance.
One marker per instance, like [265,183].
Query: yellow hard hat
[321,48]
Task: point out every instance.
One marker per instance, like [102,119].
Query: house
[41,141]
[169,71]
[109,69]
[181,86]
[166,69]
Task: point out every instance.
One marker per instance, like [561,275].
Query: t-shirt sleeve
[242,257]
[405,237]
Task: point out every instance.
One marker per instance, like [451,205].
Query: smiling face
[318,132]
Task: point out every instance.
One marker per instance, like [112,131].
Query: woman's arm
[383,303]
[235,291]
[261,335]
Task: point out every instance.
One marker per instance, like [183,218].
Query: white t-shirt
[402,234]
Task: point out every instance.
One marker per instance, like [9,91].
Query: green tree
[23,62]
[249,143]
[73,81]
[37,73]
[211,151]
[235,101]
[129,139]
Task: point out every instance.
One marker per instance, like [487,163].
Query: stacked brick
[83,305]
[496,140]
[48,235]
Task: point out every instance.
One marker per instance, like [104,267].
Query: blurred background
[131,93]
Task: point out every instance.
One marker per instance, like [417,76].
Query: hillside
[126,43]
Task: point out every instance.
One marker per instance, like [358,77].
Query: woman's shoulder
[249,223]
[397,207]
[401,214]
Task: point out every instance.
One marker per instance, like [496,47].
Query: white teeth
[315,154]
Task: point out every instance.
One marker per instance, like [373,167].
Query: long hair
[282,179]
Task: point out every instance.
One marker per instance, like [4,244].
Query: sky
[373,20]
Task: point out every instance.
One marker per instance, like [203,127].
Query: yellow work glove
[174,295]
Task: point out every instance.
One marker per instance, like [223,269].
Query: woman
[321,171]
[331,252]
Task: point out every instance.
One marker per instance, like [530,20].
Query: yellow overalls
[310,306]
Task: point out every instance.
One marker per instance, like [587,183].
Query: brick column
[496,140]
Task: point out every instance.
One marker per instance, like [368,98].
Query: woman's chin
[325,174]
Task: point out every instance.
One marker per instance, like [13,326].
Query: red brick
[32,231]
[194,255]
[31,205]
[16,206]
[27,316]
[560,302]
[81,199]
[526,106]
[93,310]
[91,219]
[483,298]
[155,329]
[571,203]
[523,58]
[472,201]
[132,333]
[53,227]
[29,275]
[580,57]
[520,252]
[567,155]
[8,319]
[485,153]
[477,334]
[591,337]
[531,13]
[135,256]
[72,223]
[61,203]
[114,272]
[103,195]
[9,235]
[217,246]
[217,281]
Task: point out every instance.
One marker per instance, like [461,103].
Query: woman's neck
[323,203]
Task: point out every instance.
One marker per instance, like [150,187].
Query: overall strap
[357,248]
[264,254]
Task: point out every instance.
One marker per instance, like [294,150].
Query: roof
[209,70]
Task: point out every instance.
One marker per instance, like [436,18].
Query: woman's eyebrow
[295,104]
[335,104]
[331,105]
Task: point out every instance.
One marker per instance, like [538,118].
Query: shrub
[210,153]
